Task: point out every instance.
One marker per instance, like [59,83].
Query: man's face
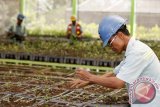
[73,22]
[19,22]
[116,43]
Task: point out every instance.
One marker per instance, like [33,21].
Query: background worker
[74,29]
[17,32]
[139,71]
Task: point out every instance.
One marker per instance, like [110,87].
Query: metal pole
[74,8]
[22,6]
[133,17]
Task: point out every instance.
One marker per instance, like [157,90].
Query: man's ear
[121,35]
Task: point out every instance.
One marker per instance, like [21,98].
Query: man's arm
[68,32]
[10,32]
[109,82]
[108,74]
[78,83]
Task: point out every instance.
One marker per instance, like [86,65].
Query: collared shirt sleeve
[117,68]
[134,65]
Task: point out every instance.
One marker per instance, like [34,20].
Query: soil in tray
[5,78]
[56,91]
[34,71]
[49,93]
[55,104]
[98,89]
[46,92]
[79,97]
[63,85]
[83,98]
[114,100]
[15,102]
[30,80]
[12,88]
[41,81]
[43,87]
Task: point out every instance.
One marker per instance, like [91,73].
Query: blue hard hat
[109,26]
[20,16]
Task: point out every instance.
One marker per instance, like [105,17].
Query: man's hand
[10,34]
[84,75]
[77,83]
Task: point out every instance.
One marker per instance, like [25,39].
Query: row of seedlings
[55,59]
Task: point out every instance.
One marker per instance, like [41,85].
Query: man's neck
[19,24]
[127,38]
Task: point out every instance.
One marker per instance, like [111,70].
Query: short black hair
[124,30]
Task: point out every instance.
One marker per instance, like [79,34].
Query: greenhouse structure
[79,53]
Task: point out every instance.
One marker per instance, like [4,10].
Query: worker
[17,32]
[139,71]
[74,29]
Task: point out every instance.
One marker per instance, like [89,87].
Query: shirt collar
[130,45]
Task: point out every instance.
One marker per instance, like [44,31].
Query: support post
[133,18]
[22,6]
[74,8]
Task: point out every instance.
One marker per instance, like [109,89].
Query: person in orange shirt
[74,29]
